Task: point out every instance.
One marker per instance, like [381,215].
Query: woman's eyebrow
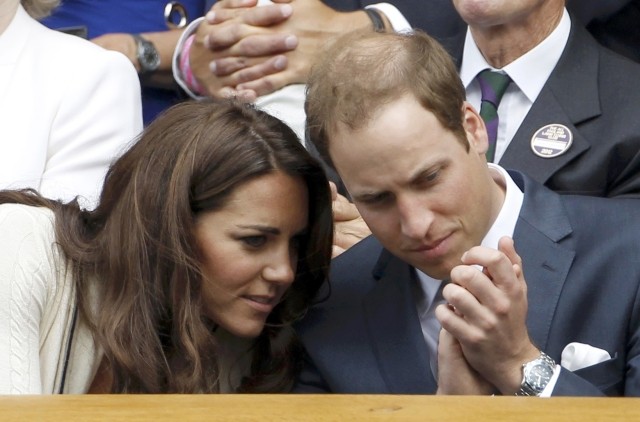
[261,228]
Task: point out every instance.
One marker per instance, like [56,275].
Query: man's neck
[502,44]
[7,12]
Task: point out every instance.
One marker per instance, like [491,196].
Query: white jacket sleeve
[98,119]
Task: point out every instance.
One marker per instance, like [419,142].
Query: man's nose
[415,218]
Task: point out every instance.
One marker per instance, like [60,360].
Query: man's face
[487,13]
[422,194]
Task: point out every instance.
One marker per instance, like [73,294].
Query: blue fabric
[130,16]
[106,16]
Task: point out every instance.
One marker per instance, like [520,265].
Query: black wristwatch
[536,375]
[148,57]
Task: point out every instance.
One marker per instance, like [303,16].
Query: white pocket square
[579,355]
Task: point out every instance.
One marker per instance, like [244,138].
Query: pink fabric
[185,68]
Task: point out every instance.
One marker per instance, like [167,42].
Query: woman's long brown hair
[137,248]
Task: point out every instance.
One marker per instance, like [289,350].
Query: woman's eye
[297,242]
[254,241]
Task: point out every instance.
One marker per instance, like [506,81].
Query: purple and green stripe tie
[493,86]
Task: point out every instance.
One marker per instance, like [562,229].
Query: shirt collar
[530,71]
[507,218]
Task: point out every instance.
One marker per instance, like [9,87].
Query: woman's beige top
[42,348]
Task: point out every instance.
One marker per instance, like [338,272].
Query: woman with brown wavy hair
[212,236]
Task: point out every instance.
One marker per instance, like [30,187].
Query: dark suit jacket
[596,94]
[589,11]
[581,259]
[620,31]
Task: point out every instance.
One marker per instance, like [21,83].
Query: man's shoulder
[614,69]
[362,255]
[352,274]
[603,210]
[358,261]
[588,215]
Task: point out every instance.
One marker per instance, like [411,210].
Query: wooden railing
[267,408]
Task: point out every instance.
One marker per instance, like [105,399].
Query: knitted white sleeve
[26,241]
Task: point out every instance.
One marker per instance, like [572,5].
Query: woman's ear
[475,129]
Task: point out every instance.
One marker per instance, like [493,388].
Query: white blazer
[67,109]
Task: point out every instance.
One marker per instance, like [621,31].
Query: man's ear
[475,129]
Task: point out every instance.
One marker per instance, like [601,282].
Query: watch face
[538,376]
[147,56]
[150,56]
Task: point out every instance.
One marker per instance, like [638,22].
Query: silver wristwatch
[536,375]
[148,57]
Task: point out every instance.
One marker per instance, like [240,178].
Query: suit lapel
[394,329]
[540,228]
[519,154]
[569,97]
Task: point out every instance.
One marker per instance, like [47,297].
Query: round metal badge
[551,140]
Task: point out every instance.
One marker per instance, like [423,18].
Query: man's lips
[430,246]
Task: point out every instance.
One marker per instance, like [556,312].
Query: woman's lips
[263,304]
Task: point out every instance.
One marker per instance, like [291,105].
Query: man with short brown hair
[536,293]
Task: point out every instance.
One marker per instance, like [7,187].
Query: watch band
[147,55]
[376,19]
[536,375]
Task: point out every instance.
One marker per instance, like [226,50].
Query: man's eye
[432,176]
[254,241]
[428,179]
[373,200]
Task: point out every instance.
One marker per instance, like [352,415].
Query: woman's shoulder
[24,225]
[77,55]
[28,214]
[36,297]
[32,266]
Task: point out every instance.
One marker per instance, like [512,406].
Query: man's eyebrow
[422,174]
[427,169]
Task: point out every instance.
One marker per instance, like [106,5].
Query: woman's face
[250,250]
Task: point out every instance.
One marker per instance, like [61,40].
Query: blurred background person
[67,107]
[146,31]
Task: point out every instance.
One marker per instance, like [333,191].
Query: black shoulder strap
[68,351]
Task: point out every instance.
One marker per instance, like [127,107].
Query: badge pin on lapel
[551,140]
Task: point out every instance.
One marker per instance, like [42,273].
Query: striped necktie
[493,86]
